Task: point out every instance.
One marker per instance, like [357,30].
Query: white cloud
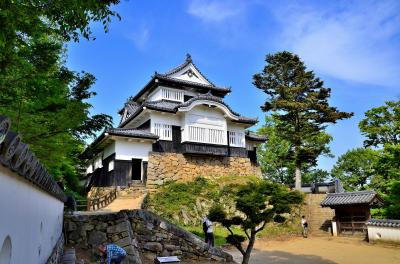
[140,36]
[356,41]
[214,11]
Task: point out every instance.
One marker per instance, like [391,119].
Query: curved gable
[224,108]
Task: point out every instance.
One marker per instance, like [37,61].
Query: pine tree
[299,100]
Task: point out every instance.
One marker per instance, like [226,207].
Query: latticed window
[164,131]
[172,95]
[236,139]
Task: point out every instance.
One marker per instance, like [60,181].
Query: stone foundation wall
[319,218]
[89,231]
[58,251]
[141,233]
[163,167]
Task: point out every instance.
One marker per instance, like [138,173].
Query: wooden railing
[206,135]
[98,203]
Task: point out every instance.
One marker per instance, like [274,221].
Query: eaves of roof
[188,61]
[384,223]
[255,137]
[369,197]
[124,132]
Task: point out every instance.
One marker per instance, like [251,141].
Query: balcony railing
[206,135]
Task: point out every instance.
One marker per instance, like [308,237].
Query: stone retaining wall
[319,218]
[142,233]
[175,166]
[58,251]
[89,231]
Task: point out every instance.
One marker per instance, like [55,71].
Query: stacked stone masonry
[319,218]
[164,167]
[141,233]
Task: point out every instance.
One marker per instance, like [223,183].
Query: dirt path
[320,250]
[122,203]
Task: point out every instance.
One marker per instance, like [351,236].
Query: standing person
[210,234]
[114,253]
[304,225]
[204,223]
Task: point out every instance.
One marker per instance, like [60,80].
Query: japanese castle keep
[176,127]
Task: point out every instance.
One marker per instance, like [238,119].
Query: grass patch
[220,233]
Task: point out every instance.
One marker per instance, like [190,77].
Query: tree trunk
[298,176]
[246,256]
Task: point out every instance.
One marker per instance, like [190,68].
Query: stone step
[69,256]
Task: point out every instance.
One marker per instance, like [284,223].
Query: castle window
[111,165]
[164,131]
[236,139]
[172,95]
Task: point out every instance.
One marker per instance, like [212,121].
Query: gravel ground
[321,250]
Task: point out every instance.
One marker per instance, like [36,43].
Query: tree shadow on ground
[282,257]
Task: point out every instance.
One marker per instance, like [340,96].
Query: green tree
[47,102]
[356,168]
[299,101]
[382,125]
[276,156]
[387,168]
[315,176]
[257,203]
[392,211]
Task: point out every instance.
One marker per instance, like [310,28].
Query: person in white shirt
[304,225]
[209,233]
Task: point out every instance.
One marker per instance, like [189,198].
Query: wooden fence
[97,203]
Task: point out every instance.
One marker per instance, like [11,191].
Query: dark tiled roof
[162,105]
[210,97]
[183,65]
[384,222]
[349,198]
[125,132]
[254,136]
[202,85]
[170,106]
[131,133]
[19,158]
[166,77]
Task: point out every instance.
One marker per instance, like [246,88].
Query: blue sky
[354,46]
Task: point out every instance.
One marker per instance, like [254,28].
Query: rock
[153,246]
[124,242]
[165,253]
[118,228]
[171,247]
[163,225]
[70,226]
[97,238]
[176,253]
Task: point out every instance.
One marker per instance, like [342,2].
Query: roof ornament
[188,57]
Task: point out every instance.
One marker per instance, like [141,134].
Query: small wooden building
[352,210]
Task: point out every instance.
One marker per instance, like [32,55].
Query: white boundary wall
[384,233]
[30,217]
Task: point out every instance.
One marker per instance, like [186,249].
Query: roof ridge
[354,192]
[159,75]
[187,61]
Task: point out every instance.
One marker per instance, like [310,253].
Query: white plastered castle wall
[135,149]
[31,218]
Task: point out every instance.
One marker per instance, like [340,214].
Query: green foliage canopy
[356,168]
[299,101]
[47,102]
[382,125]
[276,155]
[257,203]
